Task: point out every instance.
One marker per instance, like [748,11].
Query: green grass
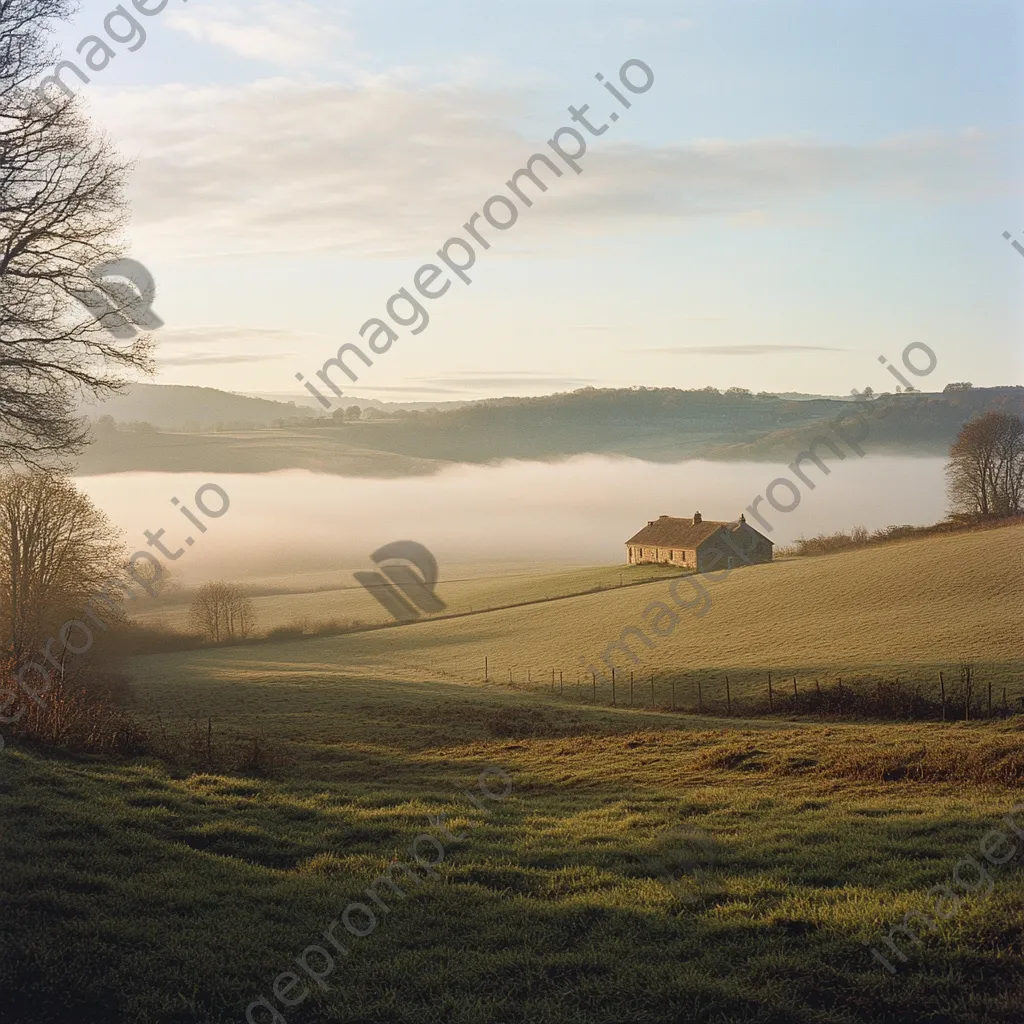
[647,866]
[134,893]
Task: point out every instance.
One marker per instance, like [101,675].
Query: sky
[802,188]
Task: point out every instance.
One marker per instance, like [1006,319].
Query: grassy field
[645,866]
[907,609]
[466,588]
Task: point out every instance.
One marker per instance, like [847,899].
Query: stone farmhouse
[698,543]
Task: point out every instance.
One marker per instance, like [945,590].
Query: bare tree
[61,207]
[222,611]
[1010,465]
[58,555]
[985,472]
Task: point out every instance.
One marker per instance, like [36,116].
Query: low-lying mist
[577,511]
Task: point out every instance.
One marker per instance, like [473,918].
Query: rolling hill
[656,424]
[640,865]
[910,608]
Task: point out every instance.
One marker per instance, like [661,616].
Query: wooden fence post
[990,698]
[795,694]
[771,702]
[652,689]
[630,689]
[942,687]
[728,697]
[673,695]
[594,678]
[613,687]
[560,690]
[700,697]
[485,668]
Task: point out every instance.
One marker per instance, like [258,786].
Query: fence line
[925,698]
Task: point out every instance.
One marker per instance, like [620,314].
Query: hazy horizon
[515,512]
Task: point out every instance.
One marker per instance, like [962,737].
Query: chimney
[696,518]
[743,518]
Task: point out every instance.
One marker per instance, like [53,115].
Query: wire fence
[963,692]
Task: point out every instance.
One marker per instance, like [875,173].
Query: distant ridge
[177,407]
[237,433]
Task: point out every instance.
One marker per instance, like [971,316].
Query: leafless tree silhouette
[222,611]
[61,207]
[985,472]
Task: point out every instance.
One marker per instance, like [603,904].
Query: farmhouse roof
[670,532]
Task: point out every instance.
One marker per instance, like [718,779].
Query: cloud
[289,33]
[418,389]
[740,350]
[462,383]
[504,380]
[224,335]
[211,359]
[386,169]
[226,345]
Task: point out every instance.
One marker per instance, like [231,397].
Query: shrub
[83,720]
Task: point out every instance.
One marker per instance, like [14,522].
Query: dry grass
[82,719]
[904,609]
[468,588]
[144,892]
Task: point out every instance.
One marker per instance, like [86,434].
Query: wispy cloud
[419,389]
[213,345]
[211,359]
[342,174]
[740,350]
[225,335]
[507,380]
[464,383]
[267,30]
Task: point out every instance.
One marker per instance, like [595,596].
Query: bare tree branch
[985,472]
[62,205]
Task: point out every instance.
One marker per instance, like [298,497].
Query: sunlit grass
[647,866]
